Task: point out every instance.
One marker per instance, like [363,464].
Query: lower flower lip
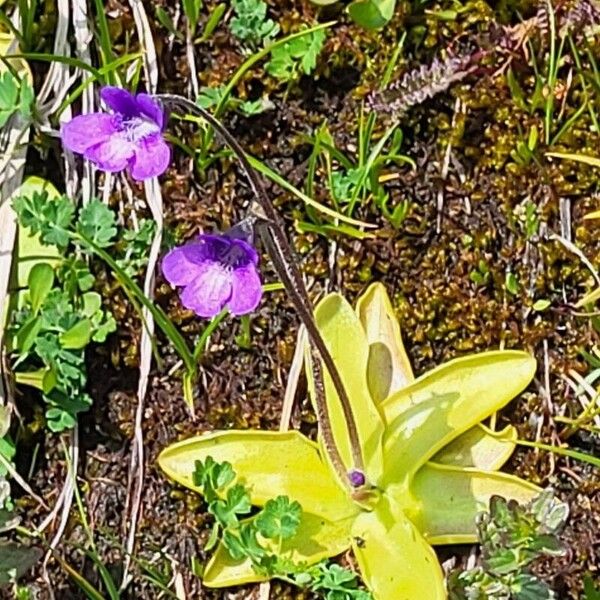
[216,272]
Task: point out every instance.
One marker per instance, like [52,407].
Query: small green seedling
[512,536]
[250,24]
[380,497]
[58,314]
[370,14]
[296,57]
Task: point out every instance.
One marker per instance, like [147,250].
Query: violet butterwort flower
[131,137]
[216,271]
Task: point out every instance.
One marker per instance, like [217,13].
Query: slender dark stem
[279,249]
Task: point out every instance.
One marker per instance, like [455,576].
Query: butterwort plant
[130,137]
[428,465]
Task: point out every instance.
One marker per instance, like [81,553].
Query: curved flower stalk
[405,502]
[131,137]
[124,140]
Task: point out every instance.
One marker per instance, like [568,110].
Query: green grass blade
[105,41]
[280,181]
[160,317]
[92,78]
[209,329]
[247,65]
[67,60]
[257,57]
[583,158]
[588,458]
[84,585]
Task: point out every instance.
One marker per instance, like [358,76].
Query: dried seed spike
[420,84]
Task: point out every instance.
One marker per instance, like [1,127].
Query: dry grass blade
[57,82]
[154,200]
[83,37]
[13,144]
[136,468]
[67,498]
[142,25]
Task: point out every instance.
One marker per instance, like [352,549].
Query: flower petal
[449,518]
[119,100]
[183,264]
[347,342]
[447,401]
[246,290]
[245,251]
[389,369]
[316,539]
[395,561]
[209,292]
[112,155]
[150,107]
[270,463]
[152,158]
[84,131]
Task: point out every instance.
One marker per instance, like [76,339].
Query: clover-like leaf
[279,519]
[236,503]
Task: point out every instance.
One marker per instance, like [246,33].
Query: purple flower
[216,271]
[128,138]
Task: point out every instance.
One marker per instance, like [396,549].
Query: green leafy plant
[528,218]
[379,496]
[512,536]
[58,313]
[370,14]
[297,56]
[481,275]
[59,317]
[15,97]
[265,538]
[250,23]
[591,591]
[210,97]
[359,178]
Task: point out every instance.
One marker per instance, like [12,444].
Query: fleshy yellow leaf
[388,369]
[269,463]
[395,561]
[451,497]
[315,540]
[480,448]
[446,402]
[347,343]
[30,250]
